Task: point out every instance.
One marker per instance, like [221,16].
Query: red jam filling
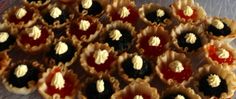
[193,16]
[131,95]
[179,77]
[153,50]
[101,67]
[66,91]
[132,18]
[25,19]
[213,55]
[74,29]
[25,39]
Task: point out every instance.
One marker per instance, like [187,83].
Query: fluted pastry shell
[4,62]
[84,38]
[124,56]
[8,13]
[188,92]
[87,52]
[138,87]
[229,22]
[224,73]
[198,10]
[219,44]
[42,86]
[152,31]
[37,4]
[198,30]
[165,59]
[32,85]
[43,47]
[150,7]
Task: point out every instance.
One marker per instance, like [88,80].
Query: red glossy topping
[25,39]
[101,67]
[181,14]
[132,18]
[153,50]
[74,29]
[179,77]
[66,91]
[131,95]
[25,19]
[213,55]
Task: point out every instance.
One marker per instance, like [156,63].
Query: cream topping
[188,11]
[35,32]
[137,62]
[213,80]
[84,25]
[190,38]
[176,66]
[218,24]
[160,13]
[61,48]
[86,3]
[58,81]
[222,53]
[124,12]
[179,97]
[20,13]
[100,56]
[3,37]
[100,86]
[138,97]
[21,70]
[115,35]
[154,41]
[55,12]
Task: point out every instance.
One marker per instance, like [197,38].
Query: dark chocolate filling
[31,75]
[6,45]
[172,96]
[210,91]
[219,32]
[66,57]
[62,18]
[146,70]
[92,93]
[58,32]
[95,9]
[182,42]
[152,16]
[123,43]
[36,1]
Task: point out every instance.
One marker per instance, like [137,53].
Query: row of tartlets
[70,31]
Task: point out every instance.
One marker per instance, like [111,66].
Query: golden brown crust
[224,73]
[35,49]
[21,24]
[122,73]
[198,30]
[32,85]
[147,8]
[4,62]
[38,4]
[42,86]
[182,90]
[167,58]
[219,44]
[138,87]
[84,38]
[180,4]
[91,48]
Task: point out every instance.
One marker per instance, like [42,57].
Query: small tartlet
[8,37]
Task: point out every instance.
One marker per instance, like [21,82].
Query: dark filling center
[95,9]
[36,1]
[58,32]
[212,91]
[92,93]
[31,75]
[219,32]
[191,47]
[6,45]
[172,96]
[66,57]
[152,16]
[123,43]
[62,18]
[146,69]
